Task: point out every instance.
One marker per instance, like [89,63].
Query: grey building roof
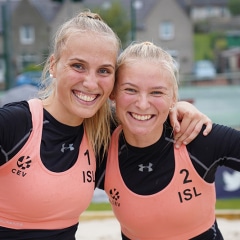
[142,7]
[47,8]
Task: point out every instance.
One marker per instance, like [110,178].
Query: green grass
[228,203]
[221,204]
[99,207]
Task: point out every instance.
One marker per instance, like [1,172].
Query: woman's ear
[174,102]
[112,100]
[112,97]
[52,69]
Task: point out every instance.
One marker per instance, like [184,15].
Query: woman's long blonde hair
[98,126]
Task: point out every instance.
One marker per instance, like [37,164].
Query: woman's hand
[187,122]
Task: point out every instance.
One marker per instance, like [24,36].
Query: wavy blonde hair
[97,127]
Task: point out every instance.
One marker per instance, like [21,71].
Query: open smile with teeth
[85,97]
[141,117]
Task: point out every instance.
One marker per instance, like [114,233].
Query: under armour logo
[70,147]
[142,167]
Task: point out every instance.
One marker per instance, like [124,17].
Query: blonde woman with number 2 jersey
[158,191]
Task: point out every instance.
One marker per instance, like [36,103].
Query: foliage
[201,26]
[202,46]
[115,16]
[234,7]
[205,45]
[32,68]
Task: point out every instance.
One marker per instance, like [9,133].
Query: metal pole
[7,44]
[133,21]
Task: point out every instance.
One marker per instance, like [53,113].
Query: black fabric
[62,234]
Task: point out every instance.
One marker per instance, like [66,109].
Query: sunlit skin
[84,78]
[143,96]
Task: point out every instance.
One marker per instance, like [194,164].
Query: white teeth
[141,117]
[84,97]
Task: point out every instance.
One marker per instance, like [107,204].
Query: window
[27,34]
[166,30]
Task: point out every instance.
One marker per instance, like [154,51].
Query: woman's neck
[142,140]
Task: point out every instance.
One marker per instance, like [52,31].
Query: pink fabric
[182,210]
[32,197]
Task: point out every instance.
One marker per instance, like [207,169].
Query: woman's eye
[104,71]
[78,66]
[157,93]
[130,90]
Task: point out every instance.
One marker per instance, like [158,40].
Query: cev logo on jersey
[114,193]
[23,163]
[188,193]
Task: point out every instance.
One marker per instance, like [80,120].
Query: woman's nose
[142,102]
[90,81]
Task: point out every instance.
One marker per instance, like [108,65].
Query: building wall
[67,11]
[182,42]
[26,14]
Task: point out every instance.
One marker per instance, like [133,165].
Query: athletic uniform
[181,181]
[47,174]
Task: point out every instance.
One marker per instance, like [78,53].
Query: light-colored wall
[25,13]
[183,41]
[67,11]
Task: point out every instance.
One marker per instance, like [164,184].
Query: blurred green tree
[115,15]
[234,7]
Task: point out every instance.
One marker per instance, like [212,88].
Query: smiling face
[84,77]
[143,95]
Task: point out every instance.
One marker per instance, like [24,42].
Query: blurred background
[203,36]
